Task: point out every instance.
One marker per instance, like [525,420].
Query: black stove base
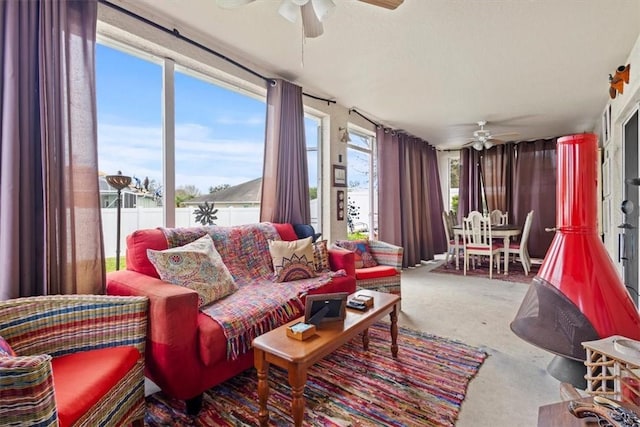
[568,371]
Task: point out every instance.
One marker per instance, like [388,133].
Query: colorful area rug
[424,386]
[516,272]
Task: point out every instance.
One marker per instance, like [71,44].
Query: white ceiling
[435,67]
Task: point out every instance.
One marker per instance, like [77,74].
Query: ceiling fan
[313,11]
[483,139]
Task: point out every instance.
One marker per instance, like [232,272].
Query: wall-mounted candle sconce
[345,134]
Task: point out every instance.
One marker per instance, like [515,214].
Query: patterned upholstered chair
[73,360]
[386,275]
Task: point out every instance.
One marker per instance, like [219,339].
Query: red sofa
[186,351]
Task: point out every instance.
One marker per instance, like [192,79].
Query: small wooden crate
[613,366]
[301,331]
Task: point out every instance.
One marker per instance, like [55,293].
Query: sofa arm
[173,309]
[26,391]
[342,259]
[63,324]
[386,253]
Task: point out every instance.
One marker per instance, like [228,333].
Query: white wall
[621,108]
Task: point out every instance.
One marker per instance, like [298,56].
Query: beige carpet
[513,382]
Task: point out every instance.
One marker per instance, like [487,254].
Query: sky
[219,132]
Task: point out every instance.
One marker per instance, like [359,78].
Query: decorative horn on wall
[617,81]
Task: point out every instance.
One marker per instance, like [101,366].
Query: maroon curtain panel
[534,188]
[410,201]
[285,180]
[389,209]
[496,176]
[50,225]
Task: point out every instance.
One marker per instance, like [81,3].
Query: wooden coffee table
[275,347]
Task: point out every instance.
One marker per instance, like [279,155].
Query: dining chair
[448,222]
[478,241]
[521,247]
[498,217]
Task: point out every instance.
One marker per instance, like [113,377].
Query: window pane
[312,135]
[128,90]
[219,151]
[358,140]
[454,182]
[359,191]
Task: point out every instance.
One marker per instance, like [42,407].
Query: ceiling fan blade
[322,8]
[231,4]
[387,4]
[289,11]
[503,135]
[310,22]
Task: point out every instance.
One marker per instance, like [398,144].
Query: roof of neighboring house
[242,193]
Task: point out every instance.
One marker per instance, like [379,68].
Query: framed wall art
[339,176]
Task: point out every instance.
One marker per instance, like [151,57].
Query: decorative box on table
[301,331]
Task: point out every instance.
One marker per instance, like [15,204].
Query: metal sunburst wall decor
[206,214]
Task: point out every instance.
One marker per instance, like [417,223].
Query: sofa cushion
[286,231]
[5,348]
[321,256]
[137,244]
[196,265]
[375,272]
[362,252]
[292,260]
[81,379]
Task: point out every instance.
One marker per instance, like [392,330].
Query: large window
[362,215]
[216,155]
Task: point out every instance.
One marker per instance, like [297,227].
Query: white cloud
[257,120]
[202,159]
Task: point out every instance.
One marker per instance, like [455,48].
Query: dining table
[506,232]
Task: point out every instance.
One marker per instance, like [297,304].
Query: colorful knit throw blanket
[260,304]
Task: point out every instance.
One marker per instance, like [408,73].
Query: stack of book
[360,302]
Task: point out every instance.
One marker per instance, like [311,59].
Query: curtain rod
[177,34]
[377,125]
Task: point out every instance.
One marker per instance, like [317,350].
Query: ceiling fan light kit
[478,145]
[313,11]
[483,139]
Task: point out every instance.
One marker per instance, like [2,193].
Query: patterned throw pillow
[292,260]
[362,254]
[196,266]
[321,256]
[5,348]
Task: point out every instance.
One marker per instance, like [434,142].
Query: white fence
[137,218]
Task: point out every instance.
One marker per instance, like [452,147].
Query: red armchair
[79,360]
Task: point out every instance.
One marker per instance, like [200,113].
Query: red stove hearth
[577,295]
